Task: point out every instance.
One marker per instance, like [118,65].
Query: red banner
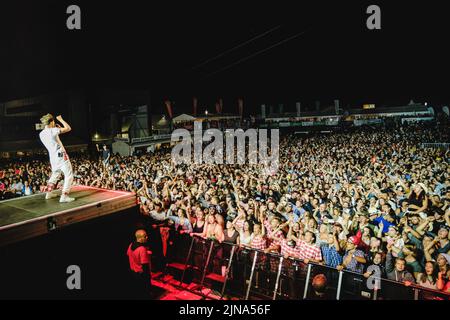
[194,104]
[241,106]
[217,107]
[221,105]
[169,108]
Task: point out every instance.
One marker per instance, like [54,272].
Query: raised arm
[389,262]
[188,212]
[431,244]
[440,283]
[419,232]
[379,234]
[66,127]
[447,216]
[240,215]
[289,234]
[427,255]
[336,241]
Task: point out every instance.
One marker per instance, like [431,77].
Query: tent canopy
[163,123]
[183,118]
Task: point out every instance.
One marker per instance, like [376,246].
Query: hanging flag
[221,105]
[241,107]
[194,104]
[169,108]
[217,107]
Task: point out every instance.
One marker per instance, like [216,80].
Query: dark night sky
[142,44]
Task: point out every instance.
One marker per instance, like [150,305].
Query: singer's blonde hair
[45,120]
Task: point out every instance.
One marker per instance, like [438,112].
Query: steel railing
[340,281]
[436,145]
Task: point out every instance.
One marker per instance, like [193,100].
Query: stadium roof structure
[217,117]
[183,118]
[418,108]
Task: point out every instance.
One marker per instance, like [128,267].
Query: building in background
[20,120]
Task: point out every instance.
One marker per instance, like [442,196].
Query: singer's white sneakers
[65,198]
[50,195]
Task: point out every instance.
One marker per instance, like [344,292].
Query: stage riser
[97,207]
[34,229]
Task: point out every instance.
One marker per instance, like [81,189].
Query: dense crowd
[347,200]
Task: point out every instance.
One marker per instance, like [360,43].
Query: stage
[26,217]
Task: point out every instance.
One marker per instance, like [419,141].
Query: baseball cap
[353,239]
[446,256]
[393,227]
[423,187]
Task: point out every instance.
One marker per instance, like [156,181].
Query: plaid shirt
[268,226]
[277,237]
[258,242]
[354,265]
[309,251]
[331,257]
[286,249]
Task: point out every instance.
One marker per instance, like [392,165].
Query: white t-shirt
[245,240]
[158,216]
[50,139]
[28,191]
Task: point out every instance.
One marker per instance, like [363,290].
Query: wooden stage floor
[27,217]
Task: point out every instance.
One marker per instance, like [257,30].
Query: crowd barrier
[444,146]
[246,273]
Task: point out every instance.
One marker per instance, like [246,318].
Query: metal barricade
[421,293]
[322,283]
[292,279]
[265,274]
[353,286]
[245,273]
[436,145]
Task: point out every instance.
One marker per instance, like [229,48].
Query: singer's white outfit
[59,160]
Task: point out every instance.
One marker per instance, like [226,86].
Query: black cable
[255,54]
[234,48]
